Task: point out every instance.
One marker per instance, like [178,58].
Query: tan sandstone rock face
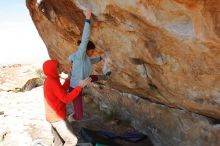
[165,50]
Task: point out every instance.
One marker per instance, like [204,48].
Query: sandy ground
[22,120]
[22,117]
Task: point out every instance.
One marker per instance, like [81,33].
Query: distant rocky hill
[15,76]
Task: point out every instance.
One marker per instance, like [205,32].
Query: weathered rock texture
[177,40]
[165,126]
[167,51]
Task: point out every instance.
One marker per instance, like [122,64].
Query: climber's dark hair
[90,45]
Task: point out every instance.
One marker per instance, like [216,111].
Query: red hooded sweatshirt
[55,95]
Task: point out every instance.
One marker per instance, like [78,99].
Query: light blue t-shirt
[81,63]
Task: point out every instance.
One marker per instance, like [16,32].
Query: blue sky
[19,39]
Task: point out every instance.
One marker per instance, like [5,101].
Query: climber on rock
[82,65]
[56,98]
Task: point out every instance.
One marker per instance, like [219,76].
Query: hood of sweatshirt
[50,68]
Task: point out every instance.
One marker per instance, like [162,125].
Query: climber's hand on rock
[86,82]
[88,13]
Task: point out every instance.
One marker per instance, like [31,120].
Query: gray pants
[65,131]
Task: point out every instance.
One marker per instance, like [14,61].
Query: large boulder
[165,51]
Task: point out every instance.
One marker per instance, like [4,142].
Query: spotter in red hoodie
[55,94]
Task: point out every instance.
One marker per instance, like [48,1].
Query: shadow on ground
[95,119]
